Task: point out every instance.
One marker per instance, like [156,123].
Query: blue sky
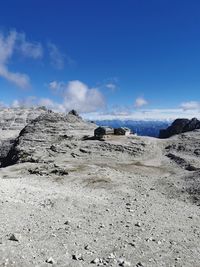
[104,58]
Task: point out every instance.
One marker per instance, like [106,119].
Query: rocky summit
[68,199]
[180,126]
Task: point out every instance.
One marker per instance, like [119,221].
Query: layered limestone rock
[40,138]
[12,121]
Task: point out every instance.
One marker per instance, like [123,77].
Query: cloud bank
[74,94]
[190,105]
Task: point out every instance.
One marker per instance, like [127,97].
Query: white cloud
[75,95]
[111,86]
[191,105]
[50,104]
[56,57]
[54,85]
[7,47]
[32,50]
[57,87]
[79,96]
[19,79]
[16,42]
[30,101]
[140,102]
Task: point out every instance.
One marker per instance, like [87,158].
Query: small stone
[131,244]
[138,224]
[111,256]
[96,261]
[122,262]
[77,257]
[54,235]
[86,247]
[14,237]
[50,261]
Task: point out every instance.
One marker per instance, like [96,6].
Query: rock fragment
[138,224]
[122,262]
[77,257]
[50,261]
[14,237]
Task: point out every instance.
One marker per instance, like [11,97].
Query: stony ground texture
[68,200]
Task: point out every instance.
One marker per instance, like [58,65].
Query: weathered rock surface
[12,121]
[15,119]
[180,126]
[49,133]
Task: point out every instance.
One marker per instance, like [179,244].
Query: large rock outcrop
[180,126]
[39,139]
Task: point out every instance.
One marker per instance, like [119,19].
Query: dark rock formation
[74,112]
[180,126]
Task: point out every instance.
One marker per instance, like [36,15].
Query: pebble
[96,261]
[111,256]
[50,261]
[86,247]
[14,237]
[138,224]
[77,257]
[131,244]
[123,262]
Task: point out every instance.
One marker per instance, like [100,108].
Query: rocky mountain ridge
[180,126]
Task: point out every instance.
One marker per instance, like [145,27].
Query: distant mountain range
[142,128]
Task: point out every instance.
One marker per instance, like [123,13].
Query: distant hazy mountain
[148,128]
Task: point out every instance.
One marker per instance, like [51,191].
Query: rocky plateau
[70,200]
